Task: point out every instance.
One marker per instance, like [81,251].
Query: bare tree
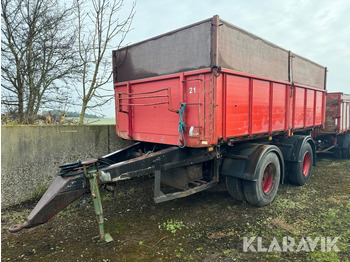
[37,54]
[104,24]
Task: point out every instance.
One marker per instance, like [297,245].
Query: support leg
[92,175]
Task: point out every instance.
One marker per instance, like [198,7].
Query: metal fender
[241,161]
[290,147]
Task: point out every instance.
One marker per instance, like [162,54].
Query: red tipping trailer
[203,101]
[245,87]
[335,137]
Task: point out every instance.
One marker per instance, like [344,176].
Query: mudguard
[290,148]
[240,161]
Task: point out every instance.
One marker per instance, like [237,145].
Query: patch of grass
[69,210]
[172,225]
[272,255]
[324,256]
[38,192]
[197,235]
[285,204]
[93,121]
[17,217]
[226,252]
[106,196]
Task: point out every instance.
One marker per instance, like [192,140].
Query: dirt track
[208,226]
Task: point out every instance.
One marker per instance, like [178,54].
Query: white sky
[316,29]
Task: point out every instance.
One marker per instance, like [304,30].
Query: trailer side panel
[218,107]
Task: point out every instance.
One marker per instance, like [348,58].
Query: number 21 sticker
[192,90]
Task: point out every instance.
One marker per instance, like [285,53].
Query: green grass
[93,121]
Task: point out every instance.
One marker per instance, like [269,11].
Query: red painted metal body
[220,106]
[337,114]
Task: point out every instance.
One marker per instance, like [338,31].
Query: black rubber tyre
[338,153]
[346,145]
[346,153]
[304,166]
[263,191]
[234,187]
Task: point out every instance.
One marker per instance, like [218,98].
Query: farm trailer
[203,101]
[335,137]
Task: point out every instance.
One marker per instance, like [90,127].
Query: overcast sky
[316,29]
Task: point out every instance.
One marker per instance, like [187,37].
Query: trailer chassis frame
[75,179]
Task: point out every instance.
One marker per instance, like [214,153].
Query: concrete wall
[30,155]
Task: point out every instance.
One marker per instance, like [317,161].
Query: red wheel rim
[267,181]
[306,163]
